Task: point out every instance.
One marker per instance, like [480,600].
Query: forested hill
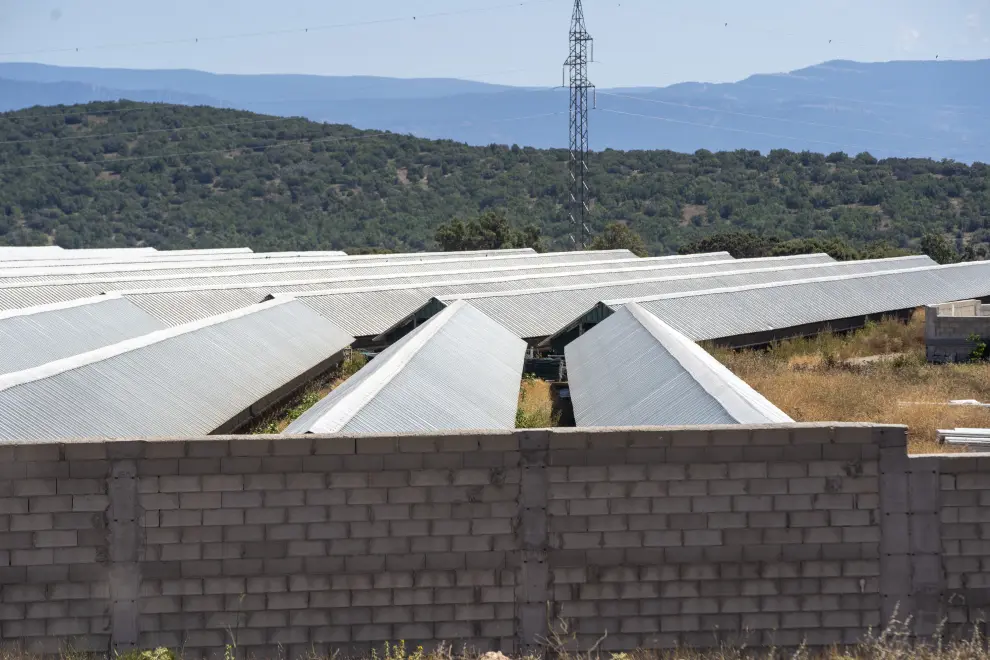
[175,177]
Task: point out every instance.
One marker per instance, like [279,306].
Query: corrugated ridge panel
[369,311]
[210,251]
[460,370]
[37,335]
[183,381]
[157,260]
[214,273]
[634,370]
[733,311]
[13,296]
[183,304]
[541,313]
[152,272]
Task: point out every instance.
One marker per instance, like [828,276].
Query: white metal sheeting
[182,381]
[634,370]
[369,311]
[167,266]
[729,312]
[203,251]
[16,254]
[184,304]
[540,313]
[156,260]
[308,267]
[34,336]
[459,371]
[13,296]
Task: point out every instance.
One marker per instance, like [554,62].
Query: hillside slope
[176,176]
[909,108]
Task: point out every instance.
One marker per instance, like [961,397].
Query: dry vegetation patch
[276,421]
[535,409]
[813,380]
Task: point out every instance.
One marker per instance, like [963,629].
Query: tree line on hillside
[124,174]
[492,231]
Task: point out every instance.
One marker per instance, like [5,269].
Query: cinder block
[711,504]
[693,488]
[702,537]
[792,503]
[767,487]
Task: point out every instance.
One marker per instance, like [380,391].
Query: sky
[637,42]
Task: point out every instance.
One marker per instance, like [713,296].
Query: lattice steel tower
[577,62]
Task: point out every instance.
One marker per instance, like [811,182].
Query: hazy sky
[638,42]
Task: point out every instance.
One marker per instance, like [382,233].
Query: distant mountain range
[906,109]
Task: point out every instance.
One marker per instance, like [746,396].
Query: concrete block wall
[964,490]
[656,536]
[761,536]
[948,328]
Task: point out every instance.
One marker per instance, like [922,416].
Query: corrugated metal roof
[183,381]
[369,311]
[203,251]
[13,296]
[632,369]
[156,260]
[729,312]
[34,336]
[29,253]
[183,304]
[165,265]
[459,371]
[152,271]
[540,313]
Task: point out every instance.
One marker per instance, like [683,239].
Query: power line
[729,128]
[286,31]
[10,115]
[814,95]
[754,116]
[784,119]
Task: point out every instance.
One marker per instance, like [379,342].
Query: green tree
[938,248]
[740,244]
[491,231]
[618,236]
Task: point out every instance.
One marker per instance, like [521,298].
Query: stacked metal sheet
[538,313]
[209,376]
[459,371]
[975,439]
[634,370]
[36,335]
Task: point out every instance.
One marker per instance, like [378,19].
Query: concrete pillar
[533,584]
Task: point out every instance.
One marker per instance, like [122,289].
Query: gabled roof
[36,335]
[184,381]
[25,294]
[632,369]
[540,313]
[371,310]
[459,371]
[733,311]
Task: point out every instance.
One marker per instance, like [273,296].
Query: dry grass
[535,409]
[276,421]
[810,381]
[894,643]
